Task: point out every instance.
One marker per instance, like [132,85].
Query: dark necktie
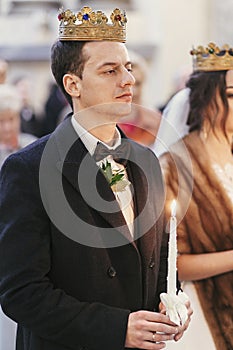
[119,154]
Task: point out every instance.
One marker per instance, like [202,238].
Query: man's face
[106,80]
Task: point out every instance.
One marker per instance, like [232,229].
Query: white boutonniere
[115,178]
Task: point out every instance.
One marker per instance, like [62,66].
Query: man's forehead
[106,51]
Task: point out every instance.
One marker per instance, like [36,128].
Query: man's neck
[105,133]
[102,130]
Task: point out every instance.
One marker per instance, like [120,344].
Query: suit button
[152,264]
[111,272]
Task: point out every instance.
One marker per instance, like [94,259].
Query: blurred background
[162,31]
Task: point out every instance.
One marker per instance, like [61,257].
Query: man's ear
[72,84]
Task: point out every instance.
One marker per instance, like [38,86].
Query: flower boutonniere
[115,178]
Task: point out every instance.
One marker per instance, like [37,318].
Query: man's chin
[123,109]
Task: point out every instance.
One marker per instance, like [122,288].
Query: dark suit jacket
[70,273]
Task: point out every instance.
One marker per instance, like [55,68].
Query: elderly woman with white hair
[11,139]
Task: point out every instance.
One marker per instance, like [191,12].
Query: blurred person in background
[56,107]
[142,124]
[11,138]
[29,121]
[205,230]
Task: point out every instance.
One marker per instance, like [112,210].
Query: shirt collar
[90,141]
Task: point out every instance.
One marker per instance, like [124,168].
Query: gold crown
[88,25]
[212,58]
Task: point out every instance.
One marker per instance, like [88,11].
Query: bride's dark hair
[204,90]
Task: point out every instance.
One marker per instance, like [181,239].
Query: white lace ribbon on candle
[175,307]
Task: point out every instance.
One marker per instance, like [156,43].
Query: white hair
[9,98]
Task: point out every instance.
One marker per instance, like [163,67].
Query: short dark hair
[67,57]
[203,94]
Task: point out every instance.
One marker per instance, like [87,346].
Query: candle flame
[173,208]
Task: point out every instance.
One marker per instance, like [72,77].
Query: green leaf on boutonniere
[116,178]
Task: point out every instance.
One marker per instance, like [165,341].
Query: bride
[205,219]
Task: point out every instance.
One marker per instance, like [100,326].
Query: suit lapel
[144,205]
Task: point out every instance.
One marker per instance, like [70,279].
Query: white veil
[173,122]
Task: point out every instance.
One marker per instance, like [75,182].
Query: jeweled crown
[212,58]
[88,25]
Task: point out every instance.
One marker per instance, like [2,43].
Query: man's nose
[127,78]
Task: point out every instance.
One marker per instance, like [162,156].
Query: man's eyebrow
[229,87]
[112,64]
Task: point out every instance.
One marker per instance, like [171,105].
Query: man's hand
[149,330]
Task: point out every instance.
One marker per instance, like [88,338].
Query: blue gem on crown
[86,17]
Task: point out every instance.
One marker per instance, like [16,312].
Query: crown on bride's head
[87,25]
[212,58]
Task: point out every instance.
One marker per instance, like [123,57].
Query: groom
[83,251]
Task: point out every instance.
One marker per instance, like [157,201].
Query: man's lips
[127,96]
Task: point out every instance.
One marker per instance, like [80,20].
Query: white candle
[172,252]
